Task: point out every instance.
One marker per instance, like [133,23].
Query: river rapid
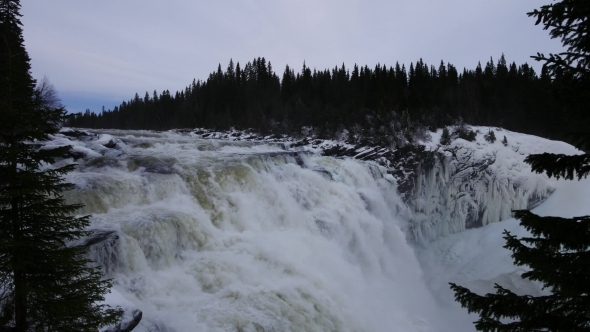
[213,235]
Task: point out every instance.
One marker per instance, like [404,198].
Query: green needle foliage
[560,165]
[568,21]
[557,254]
[558,251]
[46,284]
[445,138]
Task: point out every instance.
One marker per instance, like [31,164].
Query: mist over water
[206,235]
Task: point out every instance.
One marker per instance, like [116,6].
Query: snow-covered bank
[471,184]
[476,258]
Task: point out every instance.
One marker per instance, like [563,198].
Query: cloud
[122,47]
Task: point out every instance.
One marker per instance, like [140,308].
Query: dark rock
[75,133]
[144,145]
[99,236]
[325,173]
[111,144]
[102,161]
[152,165]
[373,153]
[75,154]
[127,324]
[406,164]
[339,151]
[300,143]
[299,160]
[69,153]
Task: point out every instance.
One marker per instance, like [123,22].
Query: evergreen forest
[360,99]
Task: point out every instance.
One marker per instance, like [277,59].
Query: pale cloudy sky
[101,52]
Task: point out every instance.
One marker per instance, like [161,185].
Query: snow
[571,199]
[478,182]
[476,258]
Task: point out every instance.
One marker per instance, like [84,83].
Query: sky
[100,53]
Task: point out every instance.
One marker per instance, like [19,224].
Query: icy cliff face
[471,184]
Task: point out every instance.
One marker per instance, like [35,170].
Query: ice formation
[471,184]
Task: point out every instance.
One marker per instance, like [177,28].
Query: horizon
[102,54]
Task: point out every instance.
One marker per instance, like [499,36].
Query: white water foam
[215,236]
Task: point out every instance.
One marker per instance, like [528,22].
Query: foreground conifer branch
[558,251]
[557,254]
[46,284]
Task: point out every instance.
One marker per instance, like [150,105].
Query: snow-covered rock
[471,184]
[131,314]
[108,141]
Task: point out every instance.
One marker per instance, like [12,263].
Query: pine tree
[558,250]
[45,283]
[557,255]
[569,21]
[490,136]
[445,138]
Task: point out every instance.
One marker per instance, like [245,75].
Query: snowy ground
[476,258]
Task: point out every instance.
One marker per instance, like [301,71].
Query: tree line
[359,98]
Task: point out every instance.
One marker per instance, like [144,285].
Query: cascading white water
[205,235]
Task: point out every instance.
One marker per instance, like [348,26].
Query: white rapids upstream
[242,236]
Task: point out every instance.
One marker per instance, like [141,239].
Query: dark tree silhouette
[558,250]
[45,283]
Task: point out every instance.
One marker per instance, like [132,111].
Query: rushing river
[210,235]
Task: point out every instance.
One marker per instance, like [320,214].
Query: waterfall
[208,235]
